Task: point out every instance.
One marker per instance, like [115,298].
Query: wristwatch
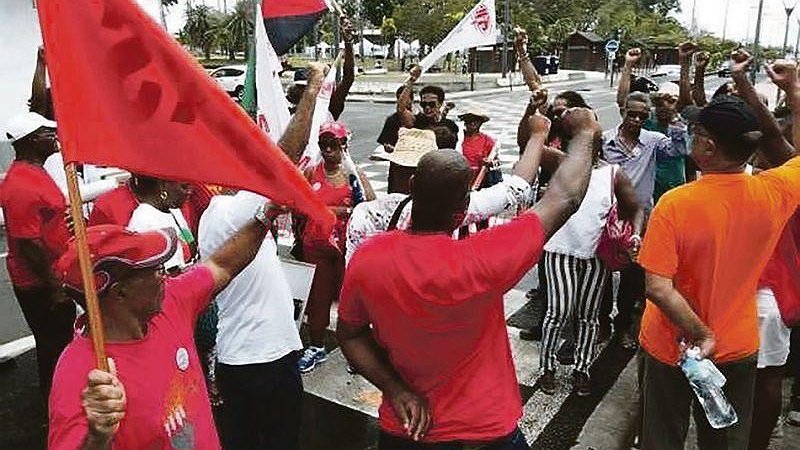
[261,215]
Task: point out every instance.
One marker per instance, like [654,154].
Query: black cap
[300,75]
[691,113]
[729,119]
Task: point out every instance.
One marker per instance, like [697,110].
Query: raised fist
[784,74]
[741,60]
[687,49]
[633,56]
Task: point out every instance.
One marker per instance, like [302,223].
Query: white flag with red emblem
[477,28]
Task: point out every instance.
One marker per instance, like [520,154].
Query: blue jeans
[514,441]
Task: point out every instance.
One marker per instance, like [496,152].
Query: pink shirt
[161,373]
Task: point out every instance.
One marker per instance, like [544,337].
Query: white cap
[24,124]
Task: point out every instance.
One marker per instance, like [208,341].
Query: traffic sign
[612,46]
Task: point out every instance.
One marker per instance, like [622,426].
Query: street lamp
[797,43]
[789,10]
[756,42]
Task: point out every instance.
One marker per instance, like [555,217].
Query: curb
[381,98]
[11,350]
[612,425]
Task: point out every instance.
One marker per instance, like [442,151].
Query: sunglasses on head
[428,104]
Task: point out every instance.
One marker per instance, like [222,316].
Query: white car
[231,78]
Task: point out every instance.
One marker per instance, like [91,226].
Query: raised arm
[339,95]
[784,75]
[773,145]
[685,53]
[631,59]
[240,250]
[537,102]
[529,73]
[568,186]
[404,102]
[699,86]
[38,102]
[527,167]
[295,139]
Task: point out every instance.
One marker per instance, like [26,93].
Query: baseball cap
[474,111]
[301,76]
[412,145]
[729,119]
[113,245]
[24,124]
[337,129]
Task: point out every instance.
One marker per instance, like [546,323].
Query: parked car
[231,78]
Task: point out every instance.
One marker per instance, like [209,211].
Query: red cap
[337,129]
[111,245]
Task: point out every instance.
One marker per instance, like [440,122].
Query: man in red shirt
[421,314]
[155,396]
[34,211]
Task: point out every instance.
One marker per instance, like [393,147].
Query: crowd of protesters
[693,201]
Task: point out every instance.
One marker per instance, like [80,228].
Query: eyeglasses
[426,105]
[638,115]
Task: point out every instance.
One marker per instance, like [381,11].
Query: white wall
[19,39]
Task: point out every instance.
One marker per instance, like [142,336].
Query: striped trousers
[574,290]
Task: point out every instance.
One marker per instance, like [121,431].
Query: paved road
[21,423]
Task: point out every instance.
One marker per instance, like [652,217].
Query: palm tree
[198,29]
[237,28]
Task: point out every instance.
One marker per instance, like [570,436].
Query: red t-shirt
[34,209]
[161,374]
[114,207]
[436,305]
[476,148]
[782,274]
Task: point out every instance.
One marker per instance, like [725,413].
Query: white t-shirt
[92,184]
[581,234]
[371,218]
[147,218]
[256,311]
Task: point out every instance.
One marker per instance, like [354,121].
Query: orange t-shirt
[713,238]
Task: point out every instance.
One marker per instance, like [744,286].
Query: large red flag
[127,95]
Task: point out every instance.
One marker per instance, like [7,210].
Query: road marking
[15,348]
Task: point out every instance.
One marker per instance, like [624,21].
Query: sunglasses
[638,115]
[428,104]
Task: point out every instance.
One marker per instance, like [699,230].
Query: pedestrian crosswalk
[504,118]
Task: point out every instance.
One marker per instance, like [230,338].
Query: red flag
[127,95]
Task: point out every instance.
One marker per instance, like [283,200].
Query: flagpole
[92,303]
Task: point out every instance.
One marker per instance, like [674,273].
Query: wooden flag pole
[87,273]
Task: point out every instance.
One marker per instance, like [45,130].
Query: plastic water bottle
[706,382]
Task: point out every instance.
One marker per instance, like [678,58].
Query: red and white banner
[476,29]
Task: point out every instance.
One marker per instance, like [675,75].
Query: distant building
[584,50]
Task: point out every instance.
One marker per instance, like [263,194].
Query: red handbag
[616,238]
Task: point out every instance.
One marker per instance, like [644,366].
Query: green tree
[376,10]
[429,20]
[236,29]
[199,29]
[389,33]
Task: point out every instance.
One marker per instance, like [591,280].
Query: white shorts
[773,333]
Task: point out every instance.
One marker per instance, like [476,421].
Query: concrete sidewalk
[614,424]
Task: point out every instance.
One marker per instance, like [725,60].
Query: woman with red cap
[337,185]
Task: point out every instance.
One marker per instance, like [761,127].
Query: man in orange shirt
[706,247]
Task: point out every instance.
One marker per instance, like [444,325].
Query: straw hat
[411,146]
[475,112]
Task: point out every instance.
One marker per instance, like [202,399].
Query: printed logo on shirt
[176,420]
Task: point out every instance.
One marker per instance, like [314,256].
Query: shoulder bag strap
[396,216]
